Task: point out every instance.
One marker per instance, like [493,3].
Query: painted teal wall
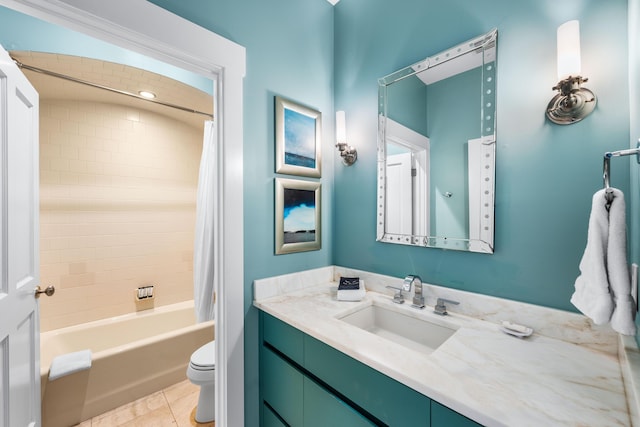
[546,174]
[454,107]
[289,47]
[407,104]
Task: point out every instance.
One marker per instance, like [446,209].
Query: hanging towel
[603,289]
[624,310]
[67,364]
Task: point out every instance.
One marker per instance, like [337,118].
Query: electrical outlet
[144,293]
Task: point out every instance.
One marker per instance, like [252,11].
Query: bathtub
[132,356]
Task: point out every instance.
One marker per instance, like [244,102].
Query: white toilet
[202,371]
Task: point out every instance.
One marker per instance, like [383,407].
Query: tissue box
[349,283]
[353,294]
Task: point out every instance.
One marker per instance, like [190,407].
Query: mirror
[436,149]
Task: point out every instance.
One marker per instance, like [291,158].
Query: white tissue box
[352,294]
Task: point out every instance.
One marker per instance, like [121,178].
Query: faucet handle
[398,298]
[441,308]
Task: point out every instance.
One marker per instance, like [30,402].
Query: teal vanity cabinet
[304,382]
[441,416]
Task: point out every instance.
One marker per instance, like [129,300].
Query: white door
[399,193]
[19,255]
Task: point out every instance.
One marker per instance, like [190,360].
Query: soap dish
[516,330]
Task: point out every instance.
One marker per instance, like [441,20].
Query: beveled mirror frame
[481,226]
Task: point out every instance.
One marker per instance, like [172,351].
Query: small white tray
[518,334]
[519,331]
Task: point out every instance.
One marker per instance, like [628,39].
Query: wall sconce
[348,153]
[572,103]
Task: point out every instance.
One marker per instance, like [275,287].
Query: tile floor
[174,406]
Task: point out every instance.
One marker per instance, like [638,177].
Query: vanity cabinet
[304,382]
[322,408]
[270,418]
[441,416]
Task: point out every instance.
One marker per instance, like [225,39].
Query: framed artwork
[297,220]
[298,132]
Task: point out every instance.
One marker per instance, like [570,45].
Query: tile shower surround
[117,208]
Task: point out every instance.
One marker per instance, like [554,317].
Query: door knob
[50,290]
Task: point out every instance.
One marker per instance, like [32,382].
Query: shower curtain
[203,259]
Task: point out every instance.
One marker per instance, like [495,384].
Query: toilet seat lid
[205,356]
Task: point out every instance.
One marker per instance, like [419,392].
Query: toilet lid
[205,356]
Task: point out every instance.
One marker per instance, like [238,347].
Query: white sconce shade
[569,49]
[573,102]
[348,153]
[341,128]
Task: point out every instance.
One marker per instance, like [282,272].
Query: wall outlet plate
[144,293]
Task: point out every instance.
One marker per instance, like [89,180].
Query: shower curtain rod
[110,89]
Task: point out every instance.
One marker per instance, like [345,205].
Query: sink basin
[416,334]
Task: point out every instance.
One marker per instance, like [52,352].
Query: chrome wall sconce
[573,102]
[347,152]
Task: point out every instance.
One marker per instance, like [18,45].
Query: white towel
[624,311]
[69,363]
[603,289]
[352,294]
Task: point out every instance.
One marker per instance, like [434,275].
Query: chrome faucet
[398,298]
[418,296]
[441,308]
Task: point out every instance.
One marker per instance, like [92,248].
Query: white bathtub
[132,356]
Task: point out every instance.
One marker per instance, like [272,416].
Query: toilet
[202,371]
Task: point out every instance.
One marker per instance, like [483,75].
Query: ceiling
[117,76]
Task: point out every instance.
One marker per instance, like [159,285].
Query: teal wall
[454,107]
[546,174]
[407,104]
[289,47]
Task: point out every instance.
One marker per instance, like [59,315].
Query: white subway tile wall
[117,209]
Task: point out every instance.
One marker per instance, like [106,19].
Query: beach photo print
[297,219]
[298,130]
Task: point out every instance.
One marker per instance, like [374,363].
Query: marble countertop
[489,376]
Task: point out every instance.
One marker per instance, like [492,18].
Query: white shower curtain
[203,259]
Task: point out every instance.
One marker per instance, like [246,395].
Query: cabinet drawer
[284,337]
[282,387]
[322,409]
[441,416]
[270,419]
[374,392]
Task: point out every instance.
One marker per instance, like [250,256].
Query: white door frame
[420,146]
[141,26]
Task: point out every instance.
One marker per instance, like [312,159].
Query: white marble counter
[480,372]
